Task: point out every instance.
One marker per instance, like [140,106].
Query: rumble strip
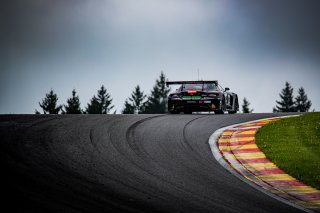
[235,148]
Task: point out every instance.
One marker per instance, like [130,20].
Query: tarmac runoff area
[234,147]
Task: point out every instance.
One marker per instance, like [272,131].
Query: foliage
[100,104]
[245,106]
[94,107]
[73,104]
[157,101]
[49,104]
[302,104]
[128,108]
[286,104]
[293,144]
[136,102]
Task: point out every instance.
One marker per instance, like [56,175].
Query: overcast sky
[251,46]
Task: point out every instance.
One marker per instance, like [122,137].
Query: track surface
[122,163]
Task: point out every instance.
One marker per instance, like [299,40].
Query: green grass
[293,144]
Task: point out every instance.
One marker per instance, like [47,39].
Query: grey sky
[251,46]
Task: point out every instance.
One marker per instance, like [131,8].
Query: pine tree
[73,104]
[100,104]
[128,108]
[136,102]
[157,101]
[94,107]
[286,103]
[49,104]
[302,104]
[245,106]
[137,98]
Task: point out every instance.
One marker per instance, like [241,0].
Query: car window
[191,87]
[210,87]
[221,88]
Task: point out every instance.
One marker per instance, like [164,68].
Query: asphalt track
[121,163]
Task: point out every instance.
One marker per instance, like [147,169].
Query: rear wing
[190,82]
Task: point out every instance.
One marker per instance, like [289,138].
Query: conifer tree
[94,107]
[49,104]
[128,108]
[286,104]
[157,101]
[245,106]
[302,104]
[73,104]
[136,102]
[100,104]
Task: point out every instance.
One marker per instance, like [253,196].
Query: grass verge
[293,144]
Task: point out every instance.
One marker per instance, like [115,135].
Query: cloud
[158,14]
[289,26]
[86,43]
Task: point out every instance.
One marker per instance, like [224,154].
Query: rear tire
[218,112]
[236,107]
[174,112]
[223,107]
[232,112]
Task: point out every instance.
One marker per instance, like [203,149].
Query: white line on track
[218,156]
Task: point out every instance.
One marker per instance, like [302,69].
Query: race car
[199,96]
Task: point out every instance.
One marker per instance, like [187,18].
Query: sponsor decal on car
[191,97]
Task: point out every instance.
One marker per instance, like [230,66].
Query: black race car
[199,96]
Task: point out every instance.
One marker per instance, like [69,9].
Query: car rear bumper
[177,105]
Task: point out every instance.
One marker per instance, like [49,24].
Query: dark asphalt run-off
[122,163]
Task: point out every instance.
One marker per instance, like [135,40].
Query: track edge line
[219,157]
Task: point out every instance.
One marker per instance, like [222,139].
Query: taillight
[191,91]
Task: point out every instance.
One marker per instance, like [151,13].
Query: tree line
[287,102]
[156,102]
[101,103]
